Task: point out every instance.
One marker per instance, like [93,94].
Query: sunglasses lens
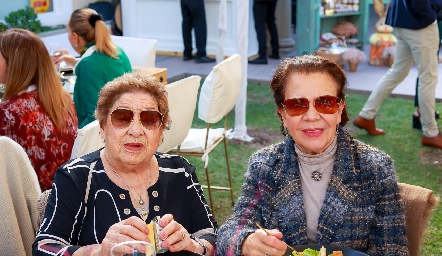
[327,104]
[296,106]
[323,104]
[151,120]
[121,118]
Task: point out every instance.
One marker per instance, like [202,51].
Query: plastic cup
[55,52]
[133,248]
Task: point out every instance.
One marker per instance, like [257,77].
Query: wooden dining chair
[41,205]
[418,204]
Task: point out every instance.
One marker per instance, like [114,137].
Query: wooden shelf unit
[310,24]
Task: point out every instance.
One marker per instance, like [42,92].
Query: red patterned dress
[24,119]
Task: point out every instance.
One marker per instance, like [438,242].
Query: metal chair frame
[209,150]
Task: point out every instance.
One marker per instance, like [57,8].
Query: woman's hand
[131,229]
[66,57]
[175,236]
[260,243]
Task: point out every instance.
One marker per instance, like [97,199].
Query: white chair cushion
[220,90]
[182,97]
[88,140]
[195,139]
[140,51]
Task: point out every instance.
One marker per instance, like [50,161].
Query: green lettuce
[310,252]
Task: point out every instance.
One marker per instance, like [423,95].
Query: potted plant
[388,55]
[24,18]
[353,56]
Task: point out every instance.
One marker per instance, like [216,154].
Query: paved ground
[363,80]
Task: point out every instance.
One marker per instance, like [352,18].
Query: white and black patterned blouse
[69,224]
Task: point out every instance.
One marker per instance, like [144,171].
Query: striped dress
[67,225]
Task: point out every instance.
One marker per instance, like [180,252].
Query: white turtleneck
[314,191]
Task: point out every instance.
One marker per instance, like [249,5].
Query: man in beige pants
[416,34]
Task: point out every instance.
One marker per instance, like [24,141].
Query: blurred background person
[415,26]
[437,6]
[319,186]
[18,199]
[194,17]
[264,14]
[128,182]
[101,61]
[36,111]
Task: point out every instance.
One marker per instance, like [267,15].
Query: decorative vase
[353,66]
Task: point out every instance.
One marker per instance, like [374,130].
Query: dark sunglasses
[324,104]
[150,119]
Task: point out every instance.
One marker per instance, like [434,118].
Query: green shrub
[25,19]
[3,27]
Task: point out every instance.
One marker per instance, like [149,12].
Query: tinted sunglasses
[324,104]
[150,119]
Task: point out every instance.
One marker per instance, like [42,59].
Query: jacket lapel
[291,203]
[340,193]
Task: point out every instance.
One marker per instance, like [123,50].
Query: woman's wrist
[245,248]
[93,249]
[200,246]
[71,61]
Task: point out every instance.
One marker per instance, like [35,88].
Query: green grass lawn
[414,163]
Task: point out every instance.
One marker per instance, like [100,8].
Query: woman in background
[101,61]
[36,111]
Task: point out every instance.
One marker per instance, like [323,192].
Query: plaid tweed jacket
[362,208]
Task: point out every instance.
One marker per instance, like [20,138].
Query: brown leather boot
[432,142]
[367,125]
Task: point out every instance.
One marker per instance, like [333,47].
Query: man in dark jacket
[416,30]
[264,13]
[194,17]
[437,7]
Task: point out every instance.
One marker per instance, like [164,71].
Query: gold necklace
[141,201]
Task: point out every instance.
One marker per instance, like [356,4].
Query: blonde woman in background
[36,111]
[101,61]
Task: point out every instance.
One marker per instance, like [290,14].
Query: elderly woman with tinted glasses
[319,185]
[108,196]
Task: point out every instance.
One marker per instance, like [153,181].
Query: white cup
[133,248]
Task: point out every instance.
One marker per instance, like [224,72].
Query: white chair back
[18,199]
[182,97]
[140,51]
[220,90]
[88,140]
[217,98]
